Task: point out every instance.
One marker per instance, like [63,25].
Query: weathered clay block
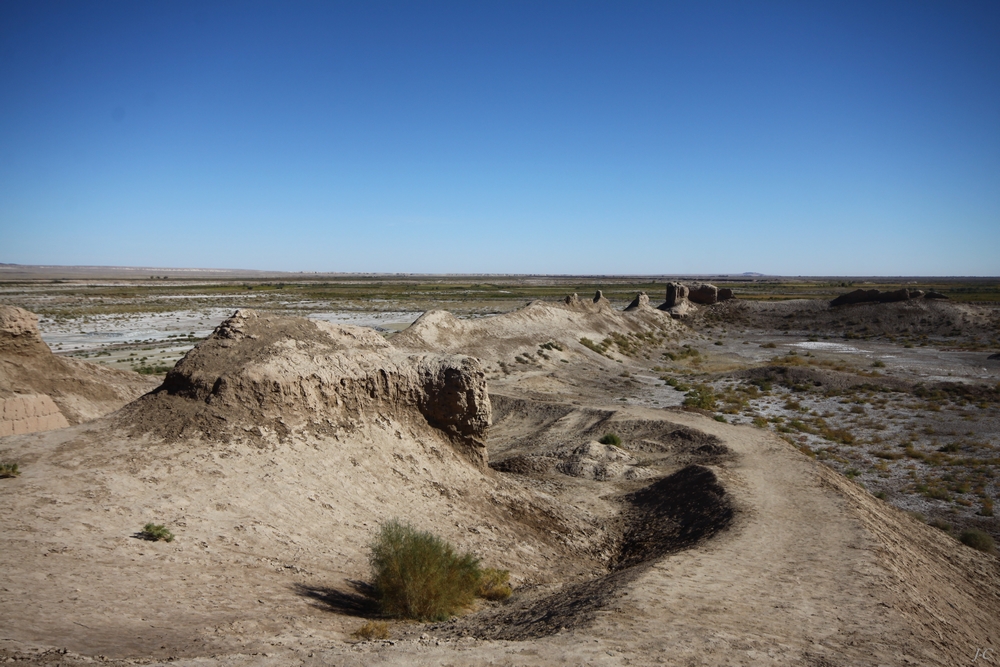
[29,414]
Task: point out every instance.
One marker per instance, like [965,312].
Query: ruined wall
[29,413]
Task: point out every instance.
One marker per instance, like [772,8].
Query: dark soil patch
[674,513]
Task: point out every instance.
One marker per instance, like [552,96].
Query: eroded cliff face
[260,376]
[19,333]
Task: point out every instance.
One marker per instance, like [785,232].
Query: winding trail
[813,571]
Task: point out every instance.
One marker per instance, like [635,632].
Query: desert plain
[794,472]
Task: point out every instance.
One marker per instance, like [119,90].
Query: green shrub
[610,439]
[977,539]
[145,369]
[372,630]
[9,470]
[987,508]
[940,524]
[600,348]
[154,533]
[700,396]
[418,575]
[494,584]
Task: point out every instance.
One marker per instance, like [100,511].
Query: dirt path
[790,584]
[814,572]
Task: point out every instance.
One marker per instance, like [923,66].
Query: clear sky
[796,138]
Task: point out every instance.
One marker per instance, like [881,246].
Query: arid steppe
[790,485]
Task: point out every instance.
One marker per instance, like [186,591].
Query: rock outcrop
[681,298]
[676,302]
[258,377]
[598,304]
[704,294]
[676,294]
[878,296]
[640,301]
[40,391]
[19,333]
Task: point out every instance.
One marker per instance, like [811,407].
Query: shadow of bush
[359,601]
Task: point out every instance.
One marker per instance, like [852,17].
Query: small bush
[418,575]
[720,418]
[494,584]
[154,533]
[977,539]
[610,439]
[9,470]
[145,369]
[987,508]
[700,396]
[940,524]
[372,630]
[600,348]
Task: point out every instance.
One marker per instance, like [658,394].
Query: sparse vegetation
[701,396]
[685,352]
[155,533]
[418,575]
[599,348]
[494,584]
[977,539]
[9,470]
[372,630]
[610,439]
[160,369]
[940,524]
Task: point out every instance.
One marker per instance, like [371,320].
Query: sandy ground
[812,570]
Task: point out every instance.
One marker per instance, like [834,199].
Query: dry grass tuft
[494,584]
[372,630]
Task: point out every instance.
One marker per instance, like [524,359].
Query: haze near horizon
[555,138]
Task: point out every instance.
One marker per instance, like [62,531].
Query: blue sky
[643,138]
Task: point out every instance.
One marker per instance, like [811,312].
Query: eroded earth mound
[40,391]
[503,337]
[275,448]
[262,378]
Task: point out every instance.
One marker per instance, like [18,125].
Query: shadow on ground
[358,601]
